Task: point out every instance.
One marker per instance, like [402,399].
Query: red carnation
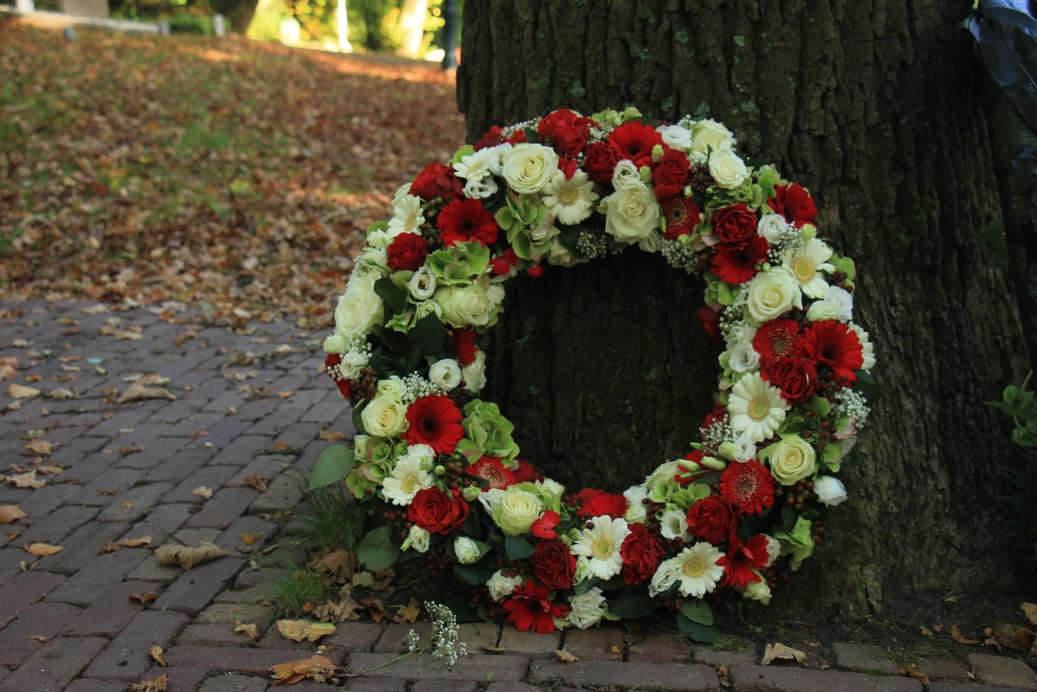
[491,469]
[600,162]
[741,558]
[748,488]
[466,219]
[463,341]
[776,339]
[711,519]
[795,377]
[794,203]
[671,174]
[634,140]
[598,503]
[554,565]
[331,364]
[544,526]
[434,421]
[641,554]
[407,252]
[438,511]
[737,264]
[566,131]
[530,608]
[734,224]
[527,473]
[832,344]
[681,214]
[437,181]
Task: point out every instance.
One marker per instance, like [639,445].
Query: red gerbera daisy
[736,265]
[794,203]
[530,608]
[832,344]
[741,558]
[466,219]
[634,140]
[776,339]
[598,503]
[681,214]
[434,421]
[491,470]
[748,488]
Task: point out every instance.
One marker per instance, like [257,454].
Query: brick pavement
[254,405]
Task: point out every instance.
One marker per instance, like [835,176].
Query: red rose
[710,519]
[554,565]
[796,377]
[641,554]
[671,174]
[437,181]
[600,161]
[734,225]
[407,252]
[437,511]
[566,131]
[464,346]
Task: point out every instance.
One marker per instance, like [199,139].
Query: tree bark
[877,109]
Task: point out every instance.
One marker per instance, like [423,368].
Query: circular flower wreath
[436,466]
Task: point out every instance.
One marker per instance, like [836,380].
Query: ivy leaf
[376,550]
[428,334]
[333,465]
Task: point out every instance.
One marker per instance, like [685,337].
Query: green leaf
[698,611]
[394,297]
[473,575]
[867,386]
[333,464]
[518,548]
[428,334]
[634,603]
[706,634]
[376,550]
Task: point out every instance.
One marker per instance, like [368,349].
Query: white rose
[517,511]
[466,549]
[417,540]
[587,608]
[475,373]
[673,524]
[465,306]
[384,417]
[528,168]
[334,343]
[359,308]
[392,387]
[675,136]
[830,490]
[727,169]
[709,134]
[631,213]
[374,259]
[791,459]
[772,294]
[837,304]
[377,239]
[774,228]
[445,373]
[501,586]
[742,357]
[662,475]
[422,285]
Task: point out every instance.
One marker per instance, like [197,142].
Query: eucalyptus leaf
[333,465]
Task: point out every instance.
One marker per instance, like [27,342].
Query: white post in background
[219,27]
[24,6]
[343,28]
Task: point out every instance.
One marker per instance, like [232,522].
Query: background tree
[877,109]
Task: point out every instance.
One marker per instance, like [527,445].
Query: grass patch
[298,589]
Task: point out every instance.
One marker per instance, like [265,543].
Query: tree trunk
[239,13]
[877,109]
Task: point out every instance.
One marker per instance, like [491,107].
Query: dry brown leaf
[61,393]
[375,607]
[331,436]
[304,630]
[39,446]
[285,395]
[110,547]
[135,542]
[40,638]
[250,538]
[408,613]
[258,482]
[159,684]
[724,675]
[778,651]
[138,391]
[26,480]
[127,505]
[249,629]
[8,367]
[494,650]
[564,656]
[11,513]
[912,672]
[925,631]
[187,556]
[319,668]
[43,549]
[1030,610]
[202,491]
[156,655]
[19,391]
[957,636]
[48,469]
[143,598]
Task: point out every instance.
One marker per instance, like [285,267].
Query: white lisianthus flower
[549,490]
[741,449]
[867,349]
[675,136]
[516,511]
[601,545]
[662,476]
[422,285]
[626,174]
[475,373]
[727,169]
[775,228]
[478,168]
[528,168]
[417,540]
[837,304]
[445,374]
[335,343]
[560,256]
[359,308]
[696,571]
[791,459]
[501,586]
[406,215]
[673,524]
[756,407]
[636,512]
[472,305]
[739,332]
[466,550]
[393,387]
[773,550]
[806,262]
[830,490]
[709,135]
[411,473]
[384,416]
[374,258]
[587,609]
[490,499]
[631,213]
[583,570]
[758,591]
[773,293]
[742,357]
[571,200]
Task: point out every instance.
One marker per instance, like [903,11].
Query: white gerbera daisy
[410,475]
[406,215]
[600,544]
[756,407]
[867,349]
[806,262]
[697,570]
[570,201]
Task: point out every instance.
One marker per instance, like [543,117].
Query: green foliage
[377,551]
[328,517]
[333,465]
[297,588]
[1019,403]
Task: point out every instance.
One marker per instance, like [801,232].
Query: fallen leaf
[60,393]
[285,395]
[494,650]
[8,367]
[957,636]
[43,549]
[319,668]
[331,436]
[159,684]
[202,491]
[925,631]
[724,675]
[39,638]
[1030,610]
[187,556]
[564,656]
[304,630]
[250,538]
[108,491]
[250,629]
[26,480]
[779,651]
[10,514]
[39,446]
[138,391]
[143,598]
[258,482]
[408,613]
[156,655]
[135,542]
[48,469]
[18,391]
[375,606]
[912,672]
[127,505]
[110,547]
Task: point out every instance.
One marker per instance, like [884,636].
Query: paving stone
[720,657]
[967,687]
[54,526]
[476,635]
[353,636]
[1002,670]
[128,656]
[425,667]
[87,470]
[659,648]
[82,546]
[53,667]
[945,669]
[100,490]
[270,466]
[223,508]
[213,634]
[236,659]
[182,679]
[226,433]
[245,448]
[233,683]
[24,589]
[111,611]
[236,612]
[865,658]
[42,502]
[594,644]
[394,637]
[512,686]
[282,494]
[247,535]
[161,522]
[181,464]
[211,476]
[671,676]
[196,587]
[193,425]
[439,685]
[11,560]
[365,684]
[135,503]
[96,577]
[21,638]
[94,685]
[794,679]
[530,643]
